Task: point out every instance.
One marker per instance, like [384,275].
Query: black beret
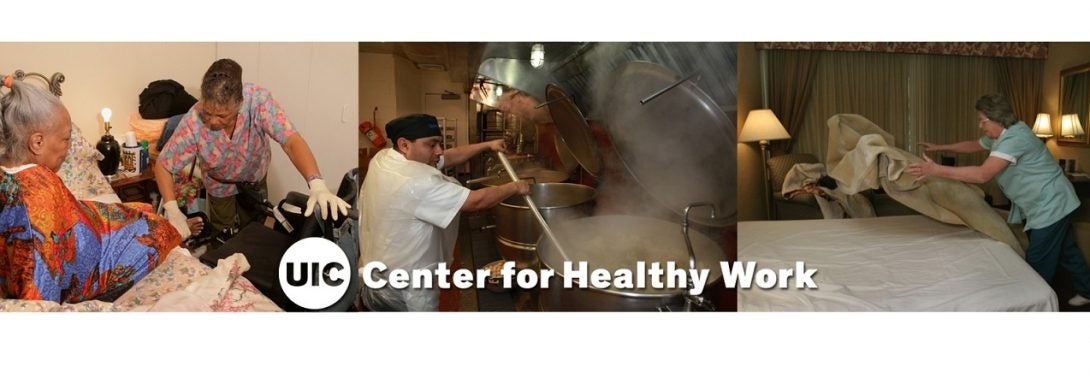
[412,127]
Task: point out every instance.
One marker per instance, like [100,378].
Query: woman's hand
[328,203]
[176,218]
[922,170]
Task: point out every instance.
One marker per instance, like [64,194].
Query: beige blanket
[834,203]
[863,156]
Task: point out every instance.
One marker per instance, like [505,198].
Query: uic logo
[314,273]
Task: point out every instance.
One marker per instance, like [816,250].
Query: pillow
[147,129]
[80,172]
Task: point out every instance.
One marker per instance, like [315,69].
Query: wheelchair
[264,246]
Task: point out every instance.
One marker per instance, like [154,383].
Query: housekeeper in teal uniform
[1040,194]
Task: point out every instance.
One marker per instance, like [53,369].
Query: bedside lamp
[1043,126]
[1070,126]
[110,148]
[763,126]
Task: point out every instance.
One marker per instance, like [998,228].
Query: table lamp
[1042,127]
[1070,126]
[763,126]
[110,148]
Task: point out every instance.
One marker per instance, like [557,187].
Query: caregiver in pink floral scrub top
[228,133]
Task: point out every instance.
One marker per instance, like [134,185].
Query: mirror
[1074,107]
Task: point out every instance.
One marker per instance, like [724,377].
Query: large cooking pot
[517,231]
[618,241]
[532,175]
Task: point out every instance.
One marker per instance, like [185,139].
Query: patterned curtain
[1024,50]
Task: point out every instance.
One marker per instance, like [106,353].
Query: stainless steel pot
[517,231]
[616,241]
[532,175]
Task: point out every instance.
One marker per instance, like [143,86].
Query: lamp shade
[1043,126]
[762,124]
[1070,126]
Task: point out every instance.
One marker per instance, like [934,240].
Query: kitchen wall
[398,88]
[751,185]
[316,83]
[1060,57]
[377,89]
[408,92]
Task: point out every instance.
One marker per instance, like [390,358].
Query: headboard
[54,82]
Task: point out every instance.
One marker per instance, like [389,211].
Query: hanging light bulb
[499,91]
[537,55]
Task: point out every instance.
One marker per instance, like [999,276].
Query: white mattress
[898,263]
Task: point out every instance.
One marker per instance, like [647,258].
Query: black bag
[163,99]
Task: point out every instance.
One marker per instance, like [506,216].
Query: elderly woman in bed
[55,247]
[1026,172]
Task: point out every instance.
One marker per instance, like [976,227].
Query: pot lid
[679,146]
[568,163]
[572,129]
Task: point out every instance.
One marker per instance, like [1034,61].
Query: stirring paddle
[533,207]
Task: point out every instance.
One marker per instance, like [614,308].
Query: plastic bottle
[144,155]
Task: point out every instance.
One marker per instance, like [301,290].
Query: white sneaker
[1078,301]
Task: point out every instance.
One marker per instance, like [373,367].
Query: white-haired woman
[55,247]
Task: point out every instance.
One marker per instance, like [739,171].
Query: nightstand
[1082,189]
[136,188]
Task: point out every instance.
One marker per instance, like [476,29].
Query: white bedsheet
[898,263]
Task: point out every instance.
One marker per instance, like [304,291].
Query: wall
[110,75]
[316,83]
[436,82]
[407,79]
[1061,56]
[398,88]
[377,90]
[751,184]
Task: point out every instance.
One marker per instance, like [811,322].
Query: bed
[896,263]
[180,283]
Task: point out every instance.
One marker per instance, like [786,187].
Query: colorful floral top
[227,160]
[61,249]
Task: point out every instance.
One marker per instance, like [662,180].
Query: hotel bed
[897,263]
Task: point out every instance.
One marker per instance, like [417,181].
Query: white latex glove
[320,194]
[176,218]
